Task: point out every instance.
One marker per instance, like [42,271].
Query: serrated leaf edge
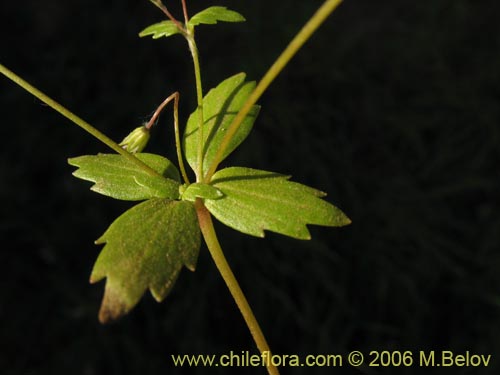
[194,20]
[260,230]
[150,30]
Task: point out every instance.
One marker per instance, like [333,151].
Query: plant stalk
[175,97]
[208,231]
[293,47]
[178,145]
[199,98]
[75,119]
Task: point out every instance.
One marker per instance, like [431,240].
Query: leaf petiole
[77,120]
[293,47]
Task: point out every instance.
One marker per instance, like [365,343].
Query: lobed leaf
[160,29]
[220,106]
[146,248]
[214,14]
[256,200]
[119,178]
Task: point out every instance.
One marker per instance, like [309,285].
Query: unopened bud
[136,140]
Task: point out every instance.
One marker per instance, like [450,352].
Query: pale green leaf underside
[160,29]
[256,200]
[146,248]
[220,106]
[214,14]
[200,190]
[119,178]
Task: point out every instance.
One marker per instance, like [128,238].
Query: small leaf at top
[119,178]
[200,190]
[256,200]
[160,29]
[146,248]
[213,14]
[220,106]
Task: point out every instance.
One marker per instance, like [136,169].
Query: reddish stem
[184,10]
[155,116]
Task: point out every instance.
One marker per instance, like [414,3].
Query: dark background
[392,108]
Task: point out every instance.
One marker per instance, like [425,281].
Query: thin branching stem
[160,108]
[77,120]
[165,10]
[185,12]
[204,217]
[206,224]
[208,231]
[199,98]
[293,47]
[178,145]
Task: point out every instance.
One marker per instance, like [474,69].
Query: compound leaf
[256,200]
[119,178]
[214,14]
[160,29]
[146,248]
[220,106]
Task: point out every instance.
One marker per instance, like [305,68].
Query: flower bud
[136,140]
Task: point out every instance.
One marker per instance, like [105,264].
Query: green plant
[146,247]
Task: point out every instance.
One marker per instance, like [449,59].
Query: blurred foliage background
[392,108]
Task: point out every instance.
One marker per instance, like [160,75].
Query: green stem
[199,98]
[154,118]
[178,139]
[75,119]
[303,35]
[217,254]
